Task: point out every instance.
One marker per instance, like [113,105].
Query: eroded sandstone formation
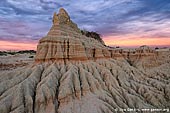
[65,42]
[76,74]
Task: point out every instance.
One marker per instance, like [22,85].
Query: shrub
[26,51]
[156,48]
[31,56]
[12,53]
[92,34]
[3,53]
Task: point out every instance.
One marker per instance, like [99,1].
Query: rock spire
[64,41]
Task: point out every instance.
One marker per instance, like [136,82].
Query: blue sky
[29,20]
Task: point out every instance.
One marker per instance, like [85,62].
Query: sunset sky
[127,23]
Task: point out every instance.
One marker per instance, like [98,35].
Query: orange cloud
[110,40]
[6,45]
[119,41]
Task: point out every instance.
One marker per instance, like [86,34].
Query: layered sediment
[65,42]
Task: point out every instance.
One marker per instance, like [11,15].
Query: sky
[124,23]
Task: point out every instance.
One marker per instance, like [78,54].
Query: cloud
[147,26]
[21,31]
[29,20]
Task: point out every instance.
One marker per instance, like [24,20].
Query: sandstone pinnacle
[65,42]
[61,18]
